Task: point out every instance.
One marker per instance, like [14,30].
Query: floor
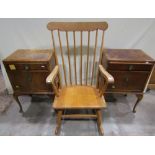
[39,118]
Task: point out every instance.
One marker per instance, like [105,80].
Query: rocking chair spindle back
[74,27]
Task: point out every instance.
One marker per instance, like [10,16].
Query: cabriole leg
[139,98]
[17,100]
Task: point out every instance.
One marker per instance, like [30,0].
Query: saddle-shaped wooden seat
[78,94]
[79,97]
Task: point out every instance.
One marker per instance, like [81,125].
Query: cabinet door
[38,82]
[128,81]
[28,81]
[20,80]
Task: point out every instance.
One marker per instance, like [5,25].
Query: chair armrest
[109,78]
[51,79]
[52,75]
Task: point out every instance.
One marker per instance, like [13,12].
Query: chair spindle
[69,63]
[87,56]
[75,57]
[62,57]
[94,56]
[81,61]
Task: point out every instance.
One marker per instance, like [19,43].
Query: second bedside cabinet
[131,70]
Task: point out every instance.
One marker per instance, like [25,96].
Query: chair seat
[79,97]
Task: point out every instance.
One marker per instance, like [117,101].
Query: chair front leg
[99,122]
[59,117]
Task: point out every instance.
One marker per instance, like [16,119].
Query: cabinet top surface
[127,55]
[26,55]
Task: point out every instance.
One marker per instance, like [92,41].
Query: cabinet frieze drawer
[27,67]
[130,67]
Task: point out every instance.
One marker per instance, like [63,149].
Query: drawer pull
[26,67]
[130,67]
[113,86]
[42,66]
[17,86]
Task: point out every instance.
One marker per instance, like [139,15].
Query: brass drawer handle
[130,67]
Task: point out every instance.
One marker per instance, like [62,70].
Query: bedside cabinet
[27,71]
[131,70]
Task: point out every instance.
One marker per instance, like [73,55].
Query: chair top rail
[77,26]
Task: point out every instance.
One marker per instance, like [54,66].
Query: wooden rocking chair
[80,95]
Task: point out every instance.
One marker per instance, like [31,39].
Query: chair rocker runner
[79,95]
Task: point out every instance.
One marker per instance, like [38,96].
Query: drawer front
[38,82]
[128,81]
[28,66]
[129,67]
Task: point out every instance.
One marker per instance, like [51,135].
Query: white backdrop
[32,33]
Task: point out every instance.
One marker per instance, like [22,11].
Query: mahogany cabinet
[27,71]
[131,69]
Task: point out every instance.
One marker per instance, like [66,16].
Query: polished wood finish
[99,122]
[27,71]
[79,96]
[104,79]
[27,55]
[77,26]
[100,58]
[125,81]
[78,116]
[131,69]
[59,117]
[87,56]
[69,63]
[75,57]
[56,59]
[94,56]
[139,98]
[51,79]
[127,55]
[81,60]
[62,57]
